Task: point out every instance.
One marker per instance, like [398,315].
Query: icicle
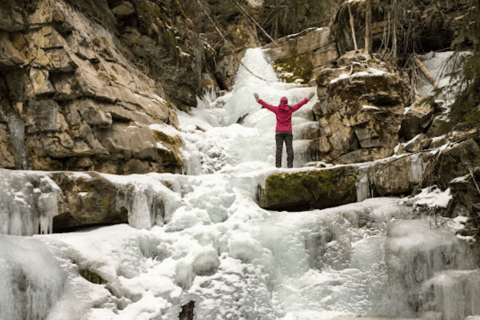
[363,184]
[47,204]
[139,210]
[416,163]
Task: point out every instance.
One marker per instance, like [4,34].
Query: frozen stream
[217,248]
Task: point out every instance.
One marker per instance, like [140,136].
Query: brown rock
[363,155]
[124,9]
[296,191]
[314,45]
[41,84]
[6,156]
[417,119]
[400,175]
[419,143]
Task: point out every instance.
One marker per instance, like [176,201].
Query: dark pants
[286,136]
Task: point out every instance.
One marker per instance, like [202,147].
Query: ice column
[47,203]
[416,163]
[363,184]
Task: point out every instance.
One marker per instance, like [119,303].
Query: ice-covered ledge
[318,188]
[38,202]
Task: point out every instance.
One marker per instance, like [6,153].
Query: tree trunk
[394,30]
[427,73]
[352,25]
[368,27]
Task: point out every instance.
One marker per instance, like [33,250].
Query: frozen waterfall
[200,242]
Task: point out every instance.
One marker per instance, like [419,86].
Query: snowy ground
[234,259]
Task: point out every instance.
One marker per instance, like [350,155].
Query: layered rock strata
[71,98]
[360,109]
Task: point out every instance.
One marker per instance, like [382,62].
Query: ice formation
[201,240]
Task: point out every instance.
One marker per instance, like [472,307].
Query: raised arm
[303,102]
[263,103]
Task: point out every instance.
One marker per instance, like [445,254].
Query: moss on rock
[294,68]
[309,190]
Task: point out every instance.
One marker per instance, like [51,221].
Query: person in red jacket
[283,112]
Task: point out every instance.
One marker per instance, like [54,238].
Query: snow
[430,197]
[202,237]
[371,72]
[158,98]
[365,107]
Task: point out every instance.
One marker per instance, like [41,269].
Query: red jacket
[283,113]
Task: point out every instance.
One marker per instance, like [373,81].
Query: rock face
[70,89]
[361,106]
[302,57]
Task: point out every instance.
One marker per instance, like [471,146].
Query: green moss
[299,67]
[164,138]
[106,202]
[92,276]
[314,189]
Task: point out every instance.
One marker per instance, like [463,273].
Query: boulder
[87,200]
[44,116]
[396,176]
[93,116]
[41,83]
[417,119]
[303,190]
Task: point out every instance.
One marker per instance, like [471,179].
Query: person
[283,112]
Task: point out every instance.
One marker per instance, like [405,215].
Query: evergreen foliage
[465,111]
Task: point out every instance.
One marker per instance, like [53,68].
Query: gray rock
[92,115]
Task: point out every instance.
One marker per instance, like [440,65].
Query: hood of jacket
[284,103]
